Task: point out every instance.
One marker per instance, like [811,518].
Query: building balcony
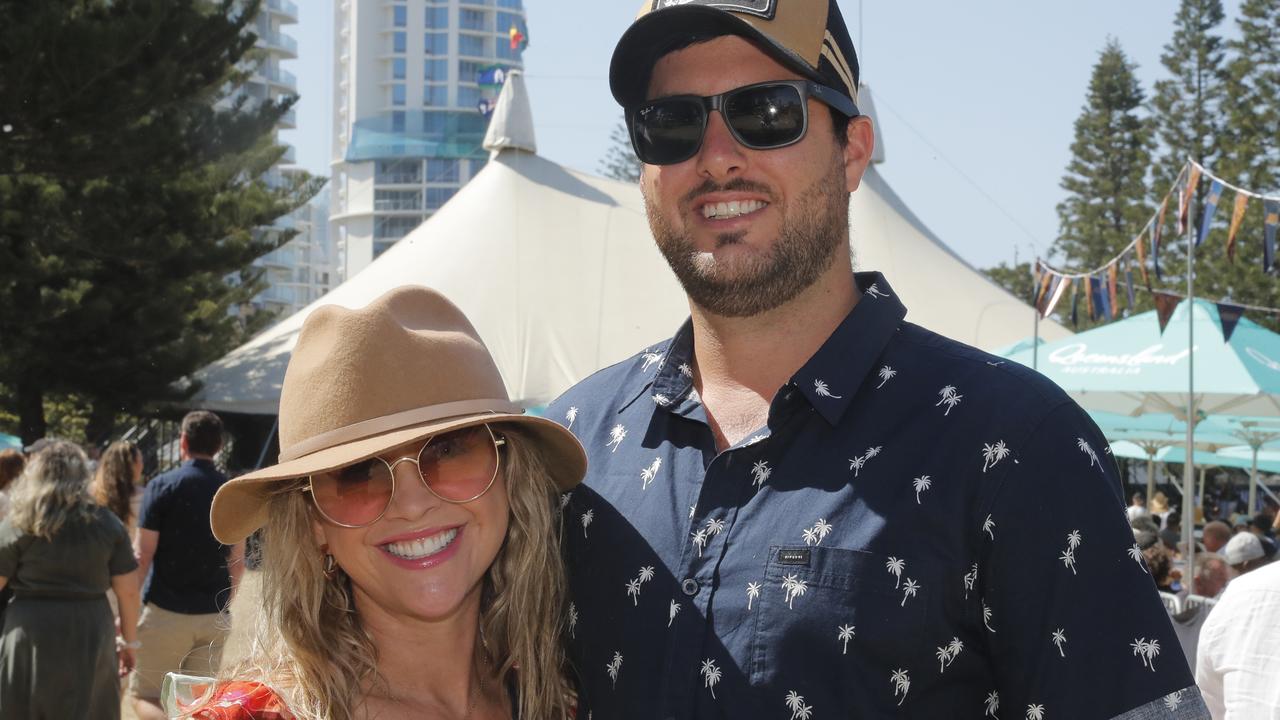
[289,120]
[280,42]
[279,77]
[283,8]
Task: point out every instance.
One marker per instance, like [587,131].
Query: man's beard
[811,235]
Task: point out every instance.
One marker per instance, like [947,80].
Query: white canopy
[558,272]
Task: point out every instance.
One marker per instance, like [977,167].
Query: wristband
[122,645]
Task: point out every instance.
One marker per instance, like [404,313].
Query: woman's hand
[128,659]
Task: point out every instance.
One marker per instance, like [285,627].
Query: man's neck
[742,362]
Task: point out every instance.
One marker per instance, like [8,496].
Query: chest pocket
[834,625]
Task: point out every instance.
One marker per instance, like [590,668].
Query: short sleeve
[10,549]
[1073,618]
[122,559]
[154,503]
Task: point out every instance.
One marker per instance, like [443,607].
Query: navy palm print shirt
[921,530]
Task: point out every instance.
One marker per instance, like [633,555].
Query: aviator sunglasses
[763,116]
[457,467]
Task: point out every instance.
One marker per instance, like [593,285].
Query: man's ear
[860,143]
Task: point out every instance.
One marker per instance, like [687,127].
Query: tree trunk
[31,423]
[102,423]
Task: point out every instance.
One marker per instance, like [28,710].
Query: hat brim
[240,507]
[640,46]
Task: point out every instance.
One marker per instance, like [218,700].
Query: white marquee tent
[558,272]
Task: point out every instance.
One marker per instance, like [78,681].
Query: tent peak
[511,127]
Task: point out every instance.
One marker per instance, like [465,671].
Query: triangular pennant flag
[1043,278]
[1075,305]
[1165,303]
[1141,247]
[1237,217]
[1112,275]
[1271,221]
[1128,275]
[1230,316]
[1186,196]
[1156,231]
[1057,288]
[1210,207]
[1090,289]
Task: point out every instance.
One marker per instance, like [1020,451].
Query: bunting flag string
[1210,208]
[1237,217]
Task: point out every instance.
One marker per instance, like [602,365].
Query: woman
[115,484]
[410,561]
[61,551]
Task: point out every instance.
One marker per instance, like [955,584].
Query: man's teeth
[733,209]
[422,547]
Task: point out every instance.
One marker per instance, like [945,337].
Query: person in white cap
[1243,552]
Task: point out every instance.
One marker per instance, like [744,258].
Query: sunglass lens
[353,495]
[460,465]
[766,117]
[668,131]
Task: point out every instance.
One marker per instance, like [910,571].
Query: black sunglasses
[763,116]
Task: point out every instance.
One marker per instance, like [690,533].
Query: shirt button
[690,587]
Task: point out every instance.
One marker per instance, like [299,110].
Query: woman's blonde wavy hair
[112,485]
[52,491]
[307,642]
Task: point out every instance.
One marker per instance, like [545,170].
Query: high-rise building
[412,79]
[307,266]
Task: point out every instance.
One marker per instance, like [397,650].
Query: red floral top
[244,700]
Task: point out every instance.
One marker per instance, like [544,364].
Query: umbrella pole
[1188,468]
[1253,483]
[1151,475]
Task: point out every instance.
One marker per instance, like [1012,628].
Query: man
[1216,534]
[1243,552]
[1237,662]
[1260,526]
[1211,578]
[1137,507]
[801,503]
[189,575]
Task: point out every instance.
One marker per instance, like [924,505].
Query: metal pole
[1151,475]
[1253,481]
[1035,340]
[1188,468]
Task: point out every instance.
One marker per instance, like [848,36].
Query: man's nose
[721,155]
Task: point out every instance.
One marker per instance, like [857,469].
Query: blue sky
[976,100]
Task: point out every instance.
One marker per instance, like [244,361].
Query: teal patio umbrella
[9,442]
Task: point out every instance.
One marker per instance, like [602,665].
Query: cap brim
[639,47]
[239,507]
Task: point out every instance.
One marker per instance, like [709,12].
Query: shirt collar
[829,379]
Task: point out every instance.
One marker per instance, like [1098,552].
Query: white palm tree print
[564,499]
[921,484]
[1173,700]
[970,579]
[587,517]
[844,635]
[633,590]
[1088,450]
[886,374]
[943,656]
[895,568]
[988,527]
[986,617]
[615,437]
[672,611]
[649,359]
[714,527]
[661,400]
[1147,651]
[1073,539]
[573,619]
[804,713]
[648,474]
[1035,712]
[875,292]
[823,528]
[700,540]
[993,704]
[794,588]
[571,416]
[1068,559]
[685,370]
[710,676]
[954,647]
[794,701]
[646,574]
[873,451]
[909,589]
[950,398]
[992,454]
[613,667]
[901,683]
[1059,637]
[810,536]
[855,464]
[753,592]
[1135,552]
[821,390]
[760,472]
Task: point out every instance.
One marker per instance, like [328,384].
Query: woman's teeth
[726,210]
[422,547]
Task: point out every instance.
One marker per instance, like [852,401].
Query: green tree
[134,194]
[1251,137]
[620,161]
[1019,279]
[1187,104]
[1106,202]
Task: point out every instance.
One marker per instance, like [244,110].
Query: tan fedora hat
[361,382]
